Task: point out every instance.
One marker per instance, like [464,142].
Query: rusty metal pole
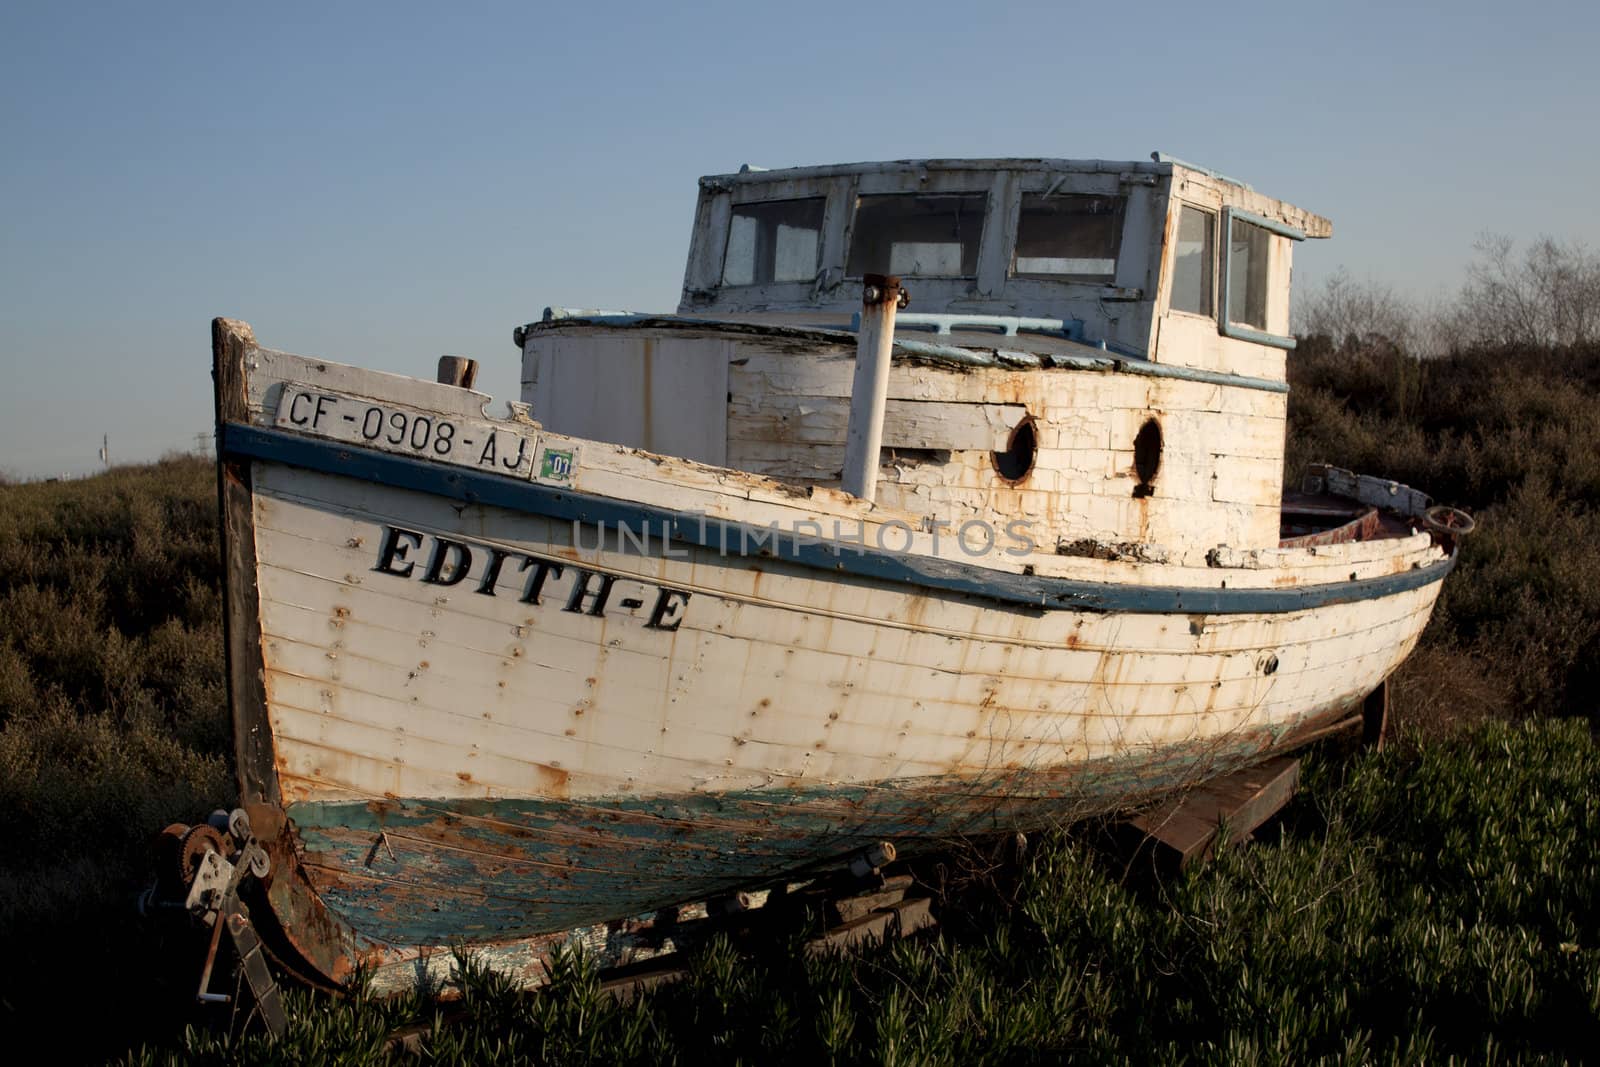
[880,299]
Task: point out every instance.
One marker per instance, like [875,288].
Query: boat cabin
[1130,254]
[1099,346]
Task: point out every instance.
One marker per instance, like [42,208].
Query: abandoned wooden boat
[738,590]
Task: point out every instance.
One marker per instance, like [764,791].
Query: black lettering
[316,420]
[460,560]
[371,423]
[397,421]
[488,451]
[491,573]
[294,409]
[580,591]
[542,569]
[669,610]
[394,550]
[522,446]
[425,424]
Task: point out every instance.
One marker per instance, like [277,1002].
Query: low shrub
[112,723]
[1514,437]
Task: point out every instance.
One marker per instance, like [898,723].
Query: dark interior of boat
[1321,519]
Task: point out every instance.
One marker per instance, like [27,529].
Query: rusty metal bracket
[213,899]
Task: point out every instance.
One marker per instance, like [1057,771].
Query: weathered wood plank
[1236,804]
[907,423]
[458,371]
[232,342]
[849,909]
[846,672]
[897,920]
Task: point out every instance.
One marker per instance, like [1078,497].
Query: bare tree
[1351,313]
[1550,295]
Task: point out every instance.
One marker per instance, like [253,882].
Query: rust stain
[551,780]
[297,919]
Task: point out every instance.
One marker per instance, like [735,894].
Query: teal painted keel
[433,872]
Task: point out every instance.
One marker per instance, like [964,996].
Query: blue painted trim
[1245,333]
[1162,157]
[1224,325]
[937,576]
[1138,365]
[944,324]
[1282,229]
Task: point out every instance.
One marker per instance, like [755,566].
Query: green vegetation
[113,722]
[1436,901]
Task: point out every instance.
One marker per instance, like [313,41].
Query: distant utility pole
[105,450]
[201,440]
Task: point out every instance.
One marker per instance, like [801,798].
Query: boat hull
[479,708]
[459,764]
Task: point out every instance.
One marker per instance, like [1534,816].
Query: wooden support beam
[625,983]
[893,891]
[897,920]
[1239,802]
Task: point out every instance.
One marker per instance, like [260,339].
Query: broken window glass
[773,241]
[1191,267]
[1068,236]
[1247,274]
[917,236]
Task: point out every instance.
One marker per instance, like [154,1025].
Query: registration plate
[466,442]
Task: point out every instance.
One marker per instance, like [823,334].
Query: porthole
[1147,457]
[1015,463]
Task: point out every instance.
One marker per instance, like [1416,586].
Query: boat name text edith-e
[588,592]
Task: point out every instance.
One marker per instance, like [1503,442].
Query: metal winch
[201,869]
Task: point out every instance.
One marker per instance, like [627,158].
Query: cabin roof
[1159,164]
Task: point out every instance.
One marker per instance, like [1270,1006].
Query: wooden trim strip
[231,341]
[307,938]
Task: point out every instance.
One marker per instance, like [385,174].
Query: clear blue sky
[383,184]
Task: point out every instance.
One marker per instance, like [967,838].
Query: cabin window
[1191,266]
[917,236]
[1246,264]
[1247,274]
[1068,236]
[775,241]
